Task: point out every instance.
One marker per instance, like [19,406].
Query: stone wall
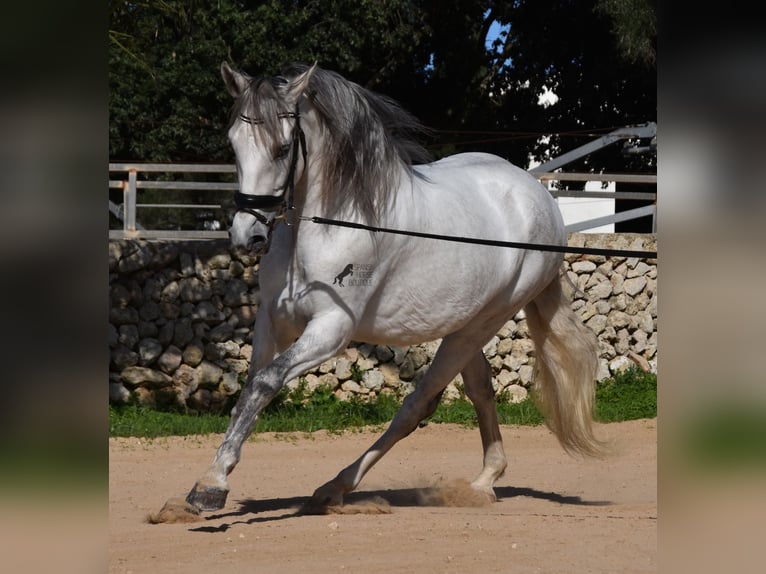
[181,317]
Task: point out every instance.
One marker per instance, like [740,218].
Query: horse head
[270,148]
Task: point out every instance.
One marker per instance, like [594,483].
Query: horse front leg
[322,339]
[211,490]
[265,348]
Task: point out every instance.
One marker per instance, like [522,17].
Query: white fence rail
[125,176]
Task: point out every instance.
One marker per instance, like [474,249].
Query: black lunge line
[490,242]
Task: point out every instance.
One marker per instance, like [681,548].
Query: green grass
[632,395]
[627,396]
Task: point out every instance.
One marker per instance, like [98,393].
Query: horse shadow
[292,507]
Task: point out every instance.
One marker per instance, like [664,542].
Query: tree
[634,26]
[568,47]
[167,102]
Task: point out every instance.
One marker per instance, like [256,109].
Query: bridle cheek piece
[285,200]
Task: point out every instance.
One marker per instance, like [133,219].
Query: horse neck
[319,200]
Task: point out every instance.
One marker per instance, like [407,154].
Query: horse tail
[566,364]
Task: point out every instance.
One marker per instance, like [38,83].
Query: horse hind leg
[477,380]
[420,404]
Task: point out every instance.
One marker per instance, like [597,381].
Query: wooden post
[130,202]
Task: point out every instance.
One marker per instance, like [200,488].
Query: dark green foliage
[167,99]
[168,104]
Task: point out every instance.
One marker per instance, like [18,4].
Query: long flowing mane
[369,139]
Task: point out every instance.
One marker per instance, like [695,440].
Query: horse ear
[236,82]
[299,84]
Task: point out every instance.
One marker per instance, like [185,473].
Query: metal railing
[125,176]
[616,217]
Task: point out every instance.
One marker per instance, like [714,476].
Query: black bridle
[285,200]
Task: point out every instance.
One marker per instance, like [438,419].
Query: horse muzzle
[248,232]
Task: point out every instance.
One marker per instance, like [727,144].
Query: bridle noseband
[253,204]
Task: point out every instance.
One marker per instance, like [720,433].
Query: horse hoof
[174,511]
[207,498]
[316,505]
[484,492]
[324,498]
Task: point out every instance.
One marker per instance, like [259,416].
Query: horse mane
[369,139]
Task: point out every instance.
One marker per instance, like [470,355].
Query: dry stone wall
[182,313]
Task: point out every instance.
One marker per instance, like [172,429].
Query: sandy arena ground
[554,513]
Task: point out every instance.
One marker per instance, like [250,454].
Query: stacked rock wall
[181,318]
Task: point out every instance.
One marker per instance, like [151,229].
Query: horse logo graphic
[348,270]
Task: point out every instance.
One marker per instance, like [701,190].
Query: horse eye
[282,152]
